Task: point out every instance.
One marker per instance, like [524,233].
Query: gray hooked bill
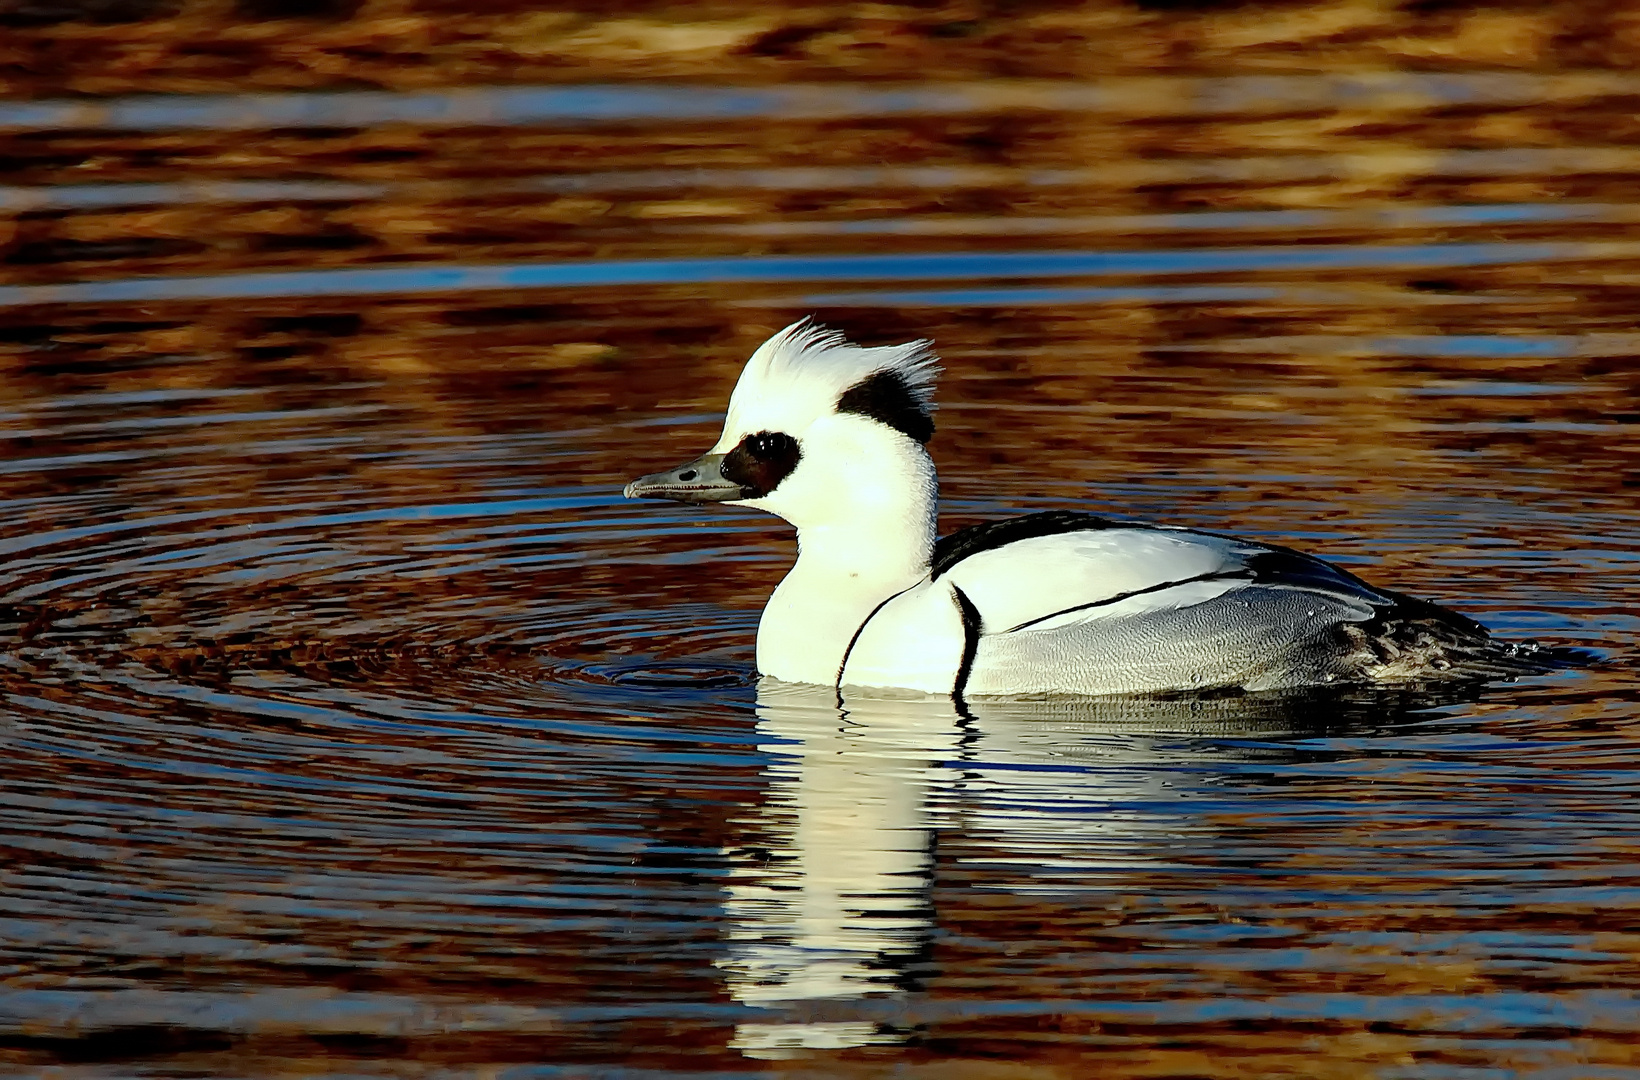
[699,481]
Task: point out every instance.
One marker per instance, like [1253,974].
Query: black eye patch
[760,462]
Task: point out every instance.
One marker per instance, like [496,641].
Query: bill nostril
[688,475]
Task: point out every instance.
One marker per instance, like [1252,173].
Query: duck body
[1062,602]
[830,437]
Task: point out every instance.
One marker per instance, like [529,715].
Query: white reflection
[830,895]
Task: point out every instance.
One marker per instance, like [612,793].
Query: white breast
[915,641]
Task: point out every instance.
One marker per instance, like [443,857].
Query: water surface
[355,725]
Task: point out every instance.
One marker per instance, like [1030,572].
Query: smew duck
[831,437]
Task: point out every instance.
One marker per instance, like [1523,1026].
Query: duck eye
[761,461]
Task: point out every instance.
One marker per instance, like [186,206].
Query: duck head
[820,432]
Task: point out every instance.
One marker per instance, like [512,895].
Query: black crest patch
[951,550]
[759,462]
[887,399]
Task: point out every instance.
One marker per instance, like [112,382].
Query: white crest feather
[798,375]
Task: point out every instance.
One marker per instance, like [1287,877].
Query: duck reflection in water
[831,896]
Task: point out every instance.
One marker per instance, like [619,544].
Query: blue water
[614,103]
[401,280]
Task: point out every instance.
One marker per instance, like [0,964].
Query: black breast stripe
[1245,575]
[972,627]
[858,630]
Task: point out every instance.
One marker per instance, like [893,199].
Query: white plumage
[830,437]
[797,376]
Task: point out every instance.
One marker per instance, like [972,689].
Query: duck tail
[1413,640]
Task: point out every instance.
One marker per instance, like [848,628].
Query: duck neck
[847,566]
[872,556]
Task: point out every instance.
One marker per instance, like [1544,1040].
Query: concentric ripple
[367,720]
[296,695]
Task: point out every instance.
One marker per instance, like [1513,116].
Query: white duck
[829,436]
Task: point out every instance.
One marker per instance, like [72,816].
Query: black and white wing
[1072,602]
